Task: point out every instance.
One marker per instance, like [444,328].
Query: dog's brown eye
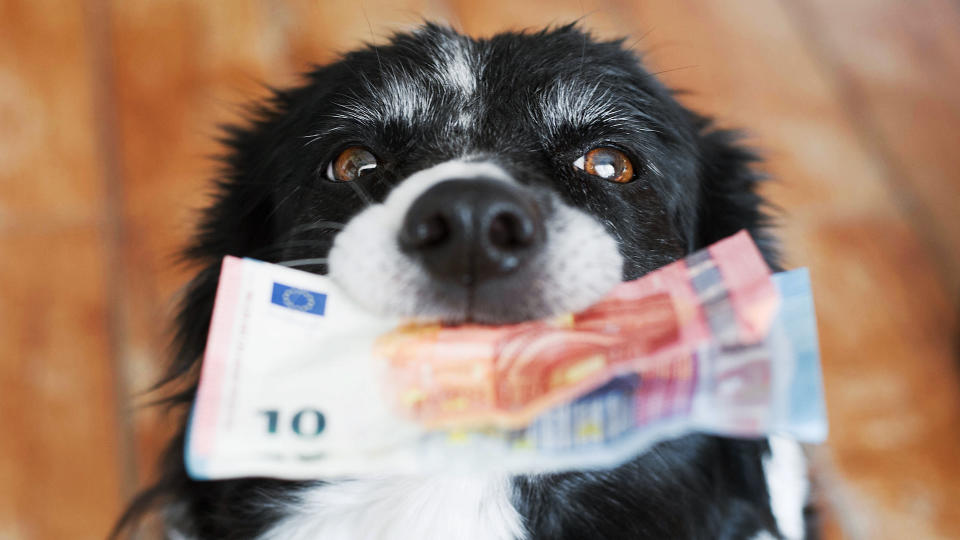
[607,163]
[351,164]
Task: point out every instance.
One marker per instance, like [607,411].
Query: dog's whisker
[326,132]
[282,202]
[368,201]
[376,50]
[325,227]
[583,48]
[316,225]
[317,245]
[239,183]
[386,182]
[304,262]
[312,139]
[671,70]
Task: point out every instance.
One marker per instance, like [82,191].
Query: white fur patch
[409,96]
[366,259]
[579,264]
[570,102]
[455,65]
[455,507]
[458,70]
[400,97]
[786,473]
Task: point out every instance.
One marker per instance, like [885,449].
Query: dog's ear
[728,199]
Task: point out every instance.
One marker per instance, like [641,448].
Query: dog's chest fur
[481,507]
[461,507]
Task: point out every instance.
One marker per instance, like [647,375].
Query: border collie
[485,180]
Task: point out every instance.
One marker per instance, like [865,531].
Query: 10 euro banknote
[298,382]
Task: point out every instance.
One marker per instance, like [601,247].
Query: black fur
[695,186]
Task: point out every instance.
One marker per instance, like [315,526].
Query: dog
[491,181]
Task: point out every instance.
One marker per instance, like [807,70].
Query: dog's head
[457,179]
[489,180]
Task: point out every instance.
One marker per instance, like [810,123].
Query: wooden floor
[108,112]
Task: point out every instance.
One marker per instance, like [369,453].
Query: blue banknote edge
[807,412]
[196,466]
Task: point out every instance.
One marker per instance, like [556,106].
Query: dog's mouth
[463,243]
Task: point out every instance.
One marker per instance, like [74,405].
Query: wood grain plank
[59,452]
[59,470]
[897,66]
[46,131]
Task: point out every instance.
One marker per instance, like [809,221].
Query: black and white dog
[488,180]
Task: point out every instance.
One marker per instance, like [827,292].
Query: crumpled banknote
[298,382]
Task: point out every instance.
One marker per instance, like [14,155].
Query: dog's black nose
[473,230]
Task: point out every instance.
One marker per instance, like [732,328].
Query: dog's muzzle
[462,241]
[469,231]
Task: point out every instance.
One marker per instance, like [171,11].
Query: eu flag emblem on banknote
[299,299]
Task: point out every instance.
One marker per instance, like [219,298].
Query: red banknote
[506,376]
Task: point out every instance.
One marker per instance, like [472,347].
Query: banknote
[505,376]
[297,382]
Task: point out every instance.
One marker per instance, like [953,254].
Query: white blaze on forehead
[457,65]
[400,93]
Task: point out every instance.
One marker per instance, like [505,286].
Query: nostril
[430,231]
[510,230]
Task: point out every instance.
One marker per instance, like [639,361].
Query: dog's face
[471,180]
[493,181]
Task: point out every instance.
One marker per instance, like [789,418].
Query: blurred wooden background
[108,111]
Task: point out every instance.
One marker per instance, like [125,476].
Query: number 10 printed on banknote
[299,383]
